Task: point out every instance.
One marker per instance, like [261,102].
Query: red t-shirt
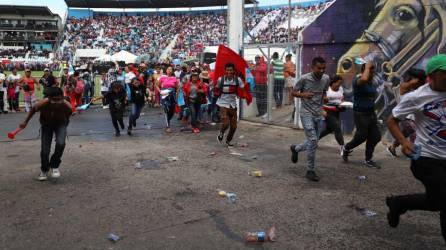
[30,82]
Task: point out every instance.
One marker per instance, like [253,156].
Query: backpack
[79,89]
[218,90]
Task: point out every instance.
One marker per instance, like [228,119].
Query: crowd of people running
[416,122]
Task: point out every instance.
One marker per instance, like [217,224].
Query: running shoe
[294,154]
[393,216]
[312,176]
[220,137]
[55,173]
[392,151]
[371,164]
[43,176]
[345,153]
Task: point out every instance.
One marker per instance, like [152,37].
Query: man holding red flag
[228,86]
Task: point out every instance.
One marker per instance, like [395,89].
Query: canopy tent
[90,53]
[124,56]
[104,58]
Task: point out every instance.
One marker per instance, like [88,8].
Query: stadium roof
[124,4]
[25,10]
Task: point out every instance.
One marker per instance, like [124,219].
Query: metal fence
[272,103]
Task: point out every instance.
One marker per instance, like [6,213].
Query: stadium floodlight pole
[289,21]
[270,89]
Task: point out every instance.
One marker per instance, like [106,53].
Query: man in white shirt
[14,79]
[129,75]
[2,93]
[428,106]
[227,87]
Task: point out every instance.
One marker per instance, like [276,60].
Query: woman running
[195,93]
[334,97]
[168,85]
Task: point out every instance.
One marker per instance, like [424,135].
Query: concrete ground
[174,205]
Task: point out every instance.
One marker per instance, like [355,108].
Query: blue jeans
[46,140]
[194,109]
[312,127]
[278,91]
[88,93]
[134,115]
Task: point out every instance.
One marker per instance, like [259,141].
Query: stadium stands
[28,33]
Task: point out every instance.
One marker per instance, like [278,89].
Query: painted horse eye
[404,14]
[347,65]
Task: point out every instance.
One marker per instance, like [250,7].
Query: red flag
[226,55]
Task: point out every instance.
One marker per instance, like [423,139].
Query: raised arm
[365,76]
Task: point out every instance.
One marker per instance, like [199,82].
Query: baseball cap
[46,69]
[27,70]
[437,62]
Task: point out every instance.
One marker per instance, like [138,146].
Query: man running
[428,106]
[415,79]
[54,118]
[227,87]
[311,88]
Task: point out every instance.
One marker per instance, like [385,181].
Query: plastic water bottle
[261,236]
[231,197]
[113,237]
[415,156]
[255,236]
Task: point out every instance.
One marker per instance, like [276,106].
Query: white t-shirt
[2,80]
[12,78]
[177,74]
[229,100]
[128,77]
[335,97]
[429,110]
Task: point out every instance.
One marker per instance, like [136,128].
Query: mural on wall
[404,35]
[395,34]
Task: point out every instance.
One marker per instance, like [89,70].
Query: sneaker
[345,153]
[55,173]
[168,130]
[196,130]
[212,123]
[393,216]
[265,116]
[392,151]
[43,176]
[312,176]
[105,107]
[371,164]
[117,133]
[294,154]
[220,137]
[129,132]
[229,144]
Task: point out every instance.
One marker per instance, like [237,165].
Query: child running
[115,99]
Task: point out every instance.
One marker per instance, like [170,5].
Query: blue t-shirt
[363,96]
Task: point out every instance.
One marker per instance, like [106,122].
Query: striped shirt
[278,67]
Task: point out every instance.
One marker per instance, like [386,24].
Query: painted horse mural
[404,34]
